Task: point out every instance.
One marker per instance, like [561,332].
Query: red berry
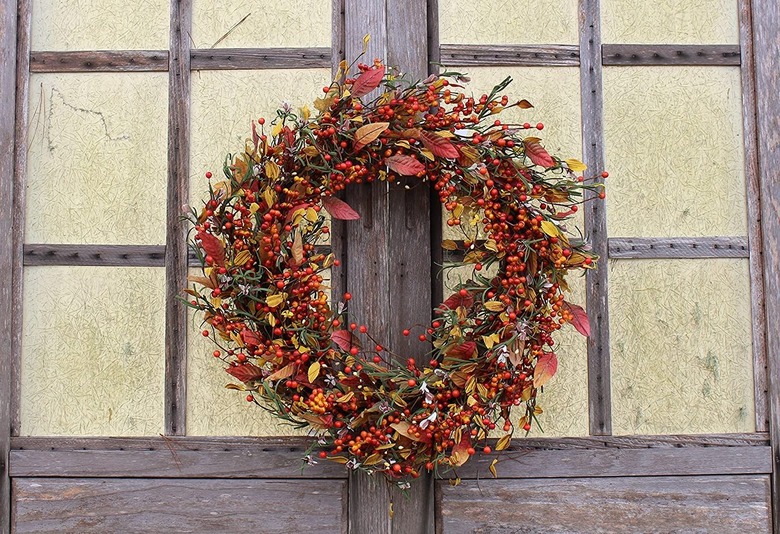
[540,126]
[205,333]
[249,398]
[605,174]
[411,382]
[347,296]
[208,174]
[323,454]
[486,450]
[422,337]
[406,332]
[261,121]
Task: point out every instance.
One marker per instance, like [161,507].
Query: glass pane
[670,21]
[100,24]
[508,22]
[673,139]
[680,337]
[565,399]
[274,23]
[213,410]
[98,158]
[93,355]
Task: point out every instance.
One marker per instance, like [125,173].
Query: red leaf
[455,300]
[285,372]
[580,319]
[246,372]
[404,165]
[250,338]
[339,209]
[460,454]
[213,247]
[545,368]
[368,81]
[537,154]
[440,146]
[464,351]
[345,340]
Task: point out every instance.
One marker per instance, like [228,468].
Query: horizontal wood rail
[684,55]
[509,55]
[260,58]
[100,61]
[241,457]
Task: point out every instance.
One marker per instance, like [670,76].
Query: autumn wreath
[264,303]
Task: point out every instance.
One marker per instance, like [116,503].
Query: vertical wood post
[388,257]
[176,235]
[766,50]
[8,13]
[599,387]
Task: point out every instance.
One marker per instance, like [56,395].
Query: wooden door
[114,418]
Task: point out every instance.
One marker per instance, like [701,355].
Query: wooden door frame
[181,456]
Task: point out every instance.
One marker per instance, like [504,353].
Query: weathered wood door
[112,418]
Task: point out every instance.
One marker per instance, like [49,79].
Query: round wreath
[264,302]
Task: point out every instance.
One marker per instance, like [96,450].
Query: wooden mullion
[680,55]
[176,235]
[8,26]
[438,254]
[677,247]
[260,58]
[95,255]
[766,57]
[758,312]
[599,386]
[509,55]
[338,234]
[100,61]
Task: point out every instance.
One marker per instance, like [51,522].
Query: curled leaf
[339,209]
[504,442]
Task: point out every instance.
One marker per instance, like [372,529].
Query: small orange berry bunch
[262,296]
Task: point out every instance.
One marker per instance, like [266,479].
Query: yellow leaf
[493,467]
[338,459]
[347,397]
[314,372]
[272,169]
[253,207]
[242,257]
[269,195]
[373,459]
[276,299]
[403,143]
[493,305]
[368,133]
[305,112]
[449,244]
[271,318]
[428,154]
[488,341]
[504,442]
[366,40]
[311,215]
[277,129]
[550,229]
[490,244]
[576,165]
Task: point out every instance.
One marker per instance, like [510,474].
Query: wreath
[264,303]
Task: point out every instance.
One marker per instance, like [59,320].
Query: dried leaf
[404,165]
[494,306]
[272,170]
[297,248]
[504,442]
[516,352]
[456,300]
[545,369]
[339,209]
[285,372]
[492,467]
[246,372]
[537,154]
[460,453]
[368,81]
[276,299]
[242,257]
[440,146]
[576,165]
[463,351]
[524,104]
[550,229]
[344,339]
[449,244]
[580,319]
[346,398]
[314,372]
[202,280]
[213,247]
[250,338]
[368,133]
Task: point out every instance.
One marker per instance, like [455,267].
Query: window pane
[273,23]
[100,24]
[680,337]
[93,355]
[670,21]
[673,139]
[508,22]
[98,158]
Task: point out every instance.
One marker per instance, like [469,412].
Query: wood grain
[260,58]
[766,51]
[680,55]
[176,235]
[758,311]
[98,255]
[678,247]
[509,55]
[7,135]
[169,505]
[599,386]
[338,233]
[722,504]
[100,61]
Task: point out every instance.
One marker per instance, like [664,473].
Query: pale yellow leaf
[314,371]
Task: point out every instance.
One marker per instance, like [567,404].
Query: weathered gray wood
[338,238]
[99,255]
[510,55]
[153,505]
[24,16]
[176,457]
[659,54]
[678,247]
[100,61]
[754,217]
[517,462]
[722,504]
[7,134]
[599,386]
[260,58]
[388,250]
[176,235]
[766,51]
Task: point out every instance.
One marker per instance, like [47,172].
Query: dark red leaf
[213,247]
[246,372]
[345,340]
[455,300]
[537,154]
[440,146]
[339,209]
[250,338]
[580,318]
[404,165]
[368,81]
[464,351]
